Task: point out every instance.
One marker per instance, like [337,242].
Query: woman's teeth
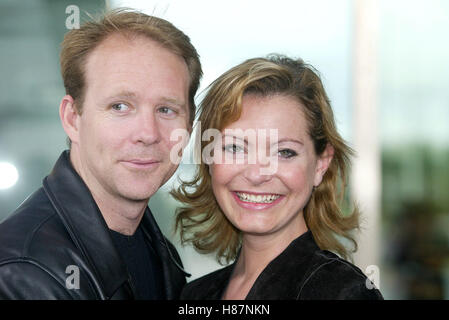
[257,198]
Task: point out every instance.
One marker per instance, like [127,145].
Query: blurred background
[384,64]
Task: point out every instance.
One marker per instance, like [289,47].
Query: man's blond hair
[79,43]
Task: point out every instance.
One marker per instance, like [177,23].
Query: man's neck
[120,214]
[123,217]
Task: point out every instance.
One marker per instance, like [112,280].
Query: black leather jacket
[301,272]
[59,231]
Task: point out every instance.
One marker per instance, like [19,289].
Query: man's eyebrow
[131,94]
[123,94]
[174,101]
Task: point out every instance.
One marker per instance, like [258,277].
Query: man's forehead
[124,67]
[114,47]
[119,39]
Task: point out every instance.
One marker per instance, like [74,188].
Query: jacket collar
[282,277]
[160,244]
[87,228]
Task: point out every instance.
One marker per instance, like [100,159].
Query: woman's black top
[301,272]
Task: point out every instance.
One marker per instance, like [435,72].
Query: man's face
[136,95]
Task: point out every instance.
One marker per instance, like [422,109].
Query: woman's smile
[257,201]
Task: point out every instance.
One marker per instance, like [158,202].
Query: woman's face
[256,199]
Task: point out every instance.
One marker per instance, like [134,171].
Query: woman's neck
[256,253]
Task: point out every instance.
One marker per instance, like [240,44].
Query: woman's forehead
[280,112]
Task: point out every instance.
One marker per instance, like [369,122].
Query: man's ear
[323,163]
[69,118]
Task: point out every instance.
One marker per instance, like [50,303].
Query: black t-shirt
[143,264]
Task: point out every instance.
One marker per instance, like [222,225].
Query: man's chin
[139,187]
[139,194]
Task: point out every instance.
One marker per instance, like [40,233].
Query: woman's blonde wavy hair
[202,222]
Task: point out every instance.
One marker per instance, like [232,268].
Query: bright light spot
[8,175]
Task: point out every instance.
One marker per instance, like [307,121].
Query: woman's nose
[256,174]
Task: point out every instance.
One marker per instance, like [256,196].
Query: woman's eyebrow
[245,140]
[288,140]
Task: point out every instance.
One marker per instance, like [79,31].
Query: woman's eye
[120,107]
[233,148]
[287,153]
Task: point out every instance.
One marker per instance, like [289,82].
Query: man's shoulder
[21,226]
[33,232]
[34,207]
[34,246]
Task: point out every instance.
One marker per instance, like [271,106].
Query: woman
[277,215]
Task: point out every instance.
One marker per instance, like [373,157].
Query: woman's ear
[69,118]
[323,163]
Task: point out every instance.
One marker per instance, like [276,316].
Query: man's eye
[233,148]
[287,153]
[167,110]
[120,107]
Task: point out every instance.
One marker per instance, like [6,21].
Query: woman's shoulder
[331,277]
[207,287]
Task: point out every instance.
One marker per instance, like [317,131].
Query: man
[130,80]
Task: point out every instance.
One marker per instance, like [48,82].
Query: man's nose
[147,130]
